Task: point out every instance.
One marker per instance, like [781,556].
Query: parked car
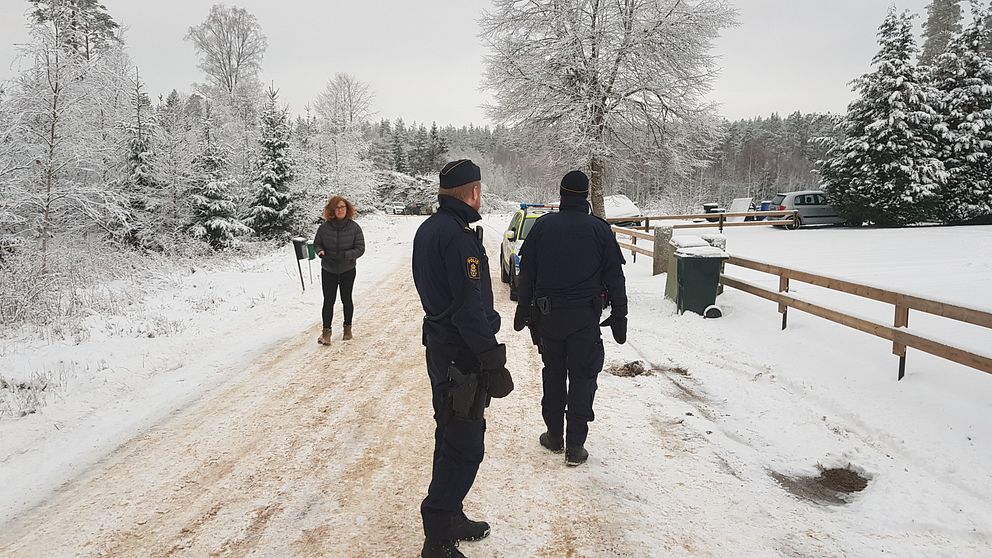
[617,207]
[394,207]
[812,207]
[620,207]
[417,208]
[509,252]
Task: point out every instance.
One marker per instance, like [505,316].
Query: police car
[509,261]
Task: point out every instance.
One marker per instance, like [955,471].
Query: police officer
[465,363]
[570,269]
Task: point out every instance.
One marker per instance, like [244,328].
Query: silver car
[812,206]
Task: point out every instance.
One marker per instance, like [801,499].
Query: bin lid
[701,252]
[298,239]
[687,241]
[711,238]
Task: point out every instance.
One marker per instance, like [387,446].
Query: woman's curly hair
[332,203]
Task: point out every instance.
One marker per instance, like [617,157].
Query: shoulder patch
[474,268]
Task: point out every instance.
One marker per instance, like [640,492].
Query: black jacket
[451,272]
[342,242]
[571,257]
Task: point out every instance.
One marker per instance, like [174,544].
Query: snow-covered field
[708,455]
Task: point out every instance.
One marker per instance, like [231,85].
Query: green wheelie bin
[698,279]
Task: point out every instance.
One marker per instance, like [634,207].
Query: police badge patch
[474,271]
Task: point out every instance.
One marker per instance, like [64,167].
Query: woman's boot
[325,337]
[347,333]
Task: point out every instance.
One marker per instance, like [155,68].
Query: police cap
[460,172]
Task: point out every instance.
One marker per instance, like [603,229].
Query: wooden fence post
[898,349]
[662,248]
[783,287]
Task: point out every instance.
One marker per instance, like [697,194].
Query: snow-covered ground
[820,395]
[193,331]
[708,455]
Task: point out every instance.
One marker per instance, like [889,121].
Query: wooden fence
[902,304]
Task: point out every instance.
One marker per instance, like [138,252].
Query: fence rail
[896,333]
[715,220]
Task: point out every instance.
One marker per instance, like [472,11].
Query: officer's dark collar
[460,209]
[574,203]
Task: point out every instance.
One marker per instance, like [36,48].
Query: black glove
[617,322]
[493,366]
[521,318]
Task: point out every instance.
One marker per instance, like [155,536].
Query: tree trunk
[596,165]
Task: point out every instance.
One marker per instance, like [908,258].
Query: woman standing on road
[339,243]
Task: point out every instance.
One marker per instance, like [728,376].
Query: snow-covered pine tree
[398,144]
[93,30]
[139,180]
[942,25]
[176,141]
[438,147]
[963,76]
[213,209]
[886,171]
[419,154]
[270,214]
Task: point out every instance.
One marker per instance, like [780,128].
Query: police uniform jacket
[451,272]
[571,257]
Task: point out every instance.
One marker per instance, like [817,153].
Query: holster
[534,325]
[468,396]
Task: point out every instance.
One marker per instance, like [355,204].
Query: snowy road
[325,452]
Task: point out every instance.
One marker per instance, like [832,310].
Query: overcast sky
[423,58]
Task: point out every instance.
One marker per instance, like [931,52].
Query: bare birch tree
[231,46]
[345,102]
[605,80]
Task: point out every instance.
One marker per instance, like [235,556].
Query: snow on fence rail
[903,303]
[761,219]
[660,236]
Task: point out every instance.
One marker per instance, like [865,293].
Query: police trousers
[572,350]
[459,445]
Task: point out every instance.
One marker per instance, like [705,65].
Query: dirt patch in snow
[832,486]
[640,368]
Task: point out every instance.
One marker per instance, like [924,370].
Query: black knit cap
[459,173]
[575,183]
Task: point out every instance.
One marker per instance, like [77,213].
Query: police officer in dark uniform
[570,269]
[465,363]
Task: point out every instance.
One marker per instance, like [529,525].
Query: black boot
[554,443]
[441,549]
[465,529]
[575,455]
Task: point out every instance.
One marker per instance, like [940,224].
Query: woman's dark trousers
[329,284]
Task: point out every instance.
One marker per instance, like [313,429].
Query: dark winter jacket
[342,243]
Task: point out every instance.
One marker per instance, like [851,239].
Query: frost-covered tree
[89,30]
[963,77]
[270,214]
[139,179]
[213,209]
[942,24]
[231,46]
[214,212]
[62,99]
[398,147]
[606,81]
[437,148]
[345,102]
[887,170]
[175,138]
